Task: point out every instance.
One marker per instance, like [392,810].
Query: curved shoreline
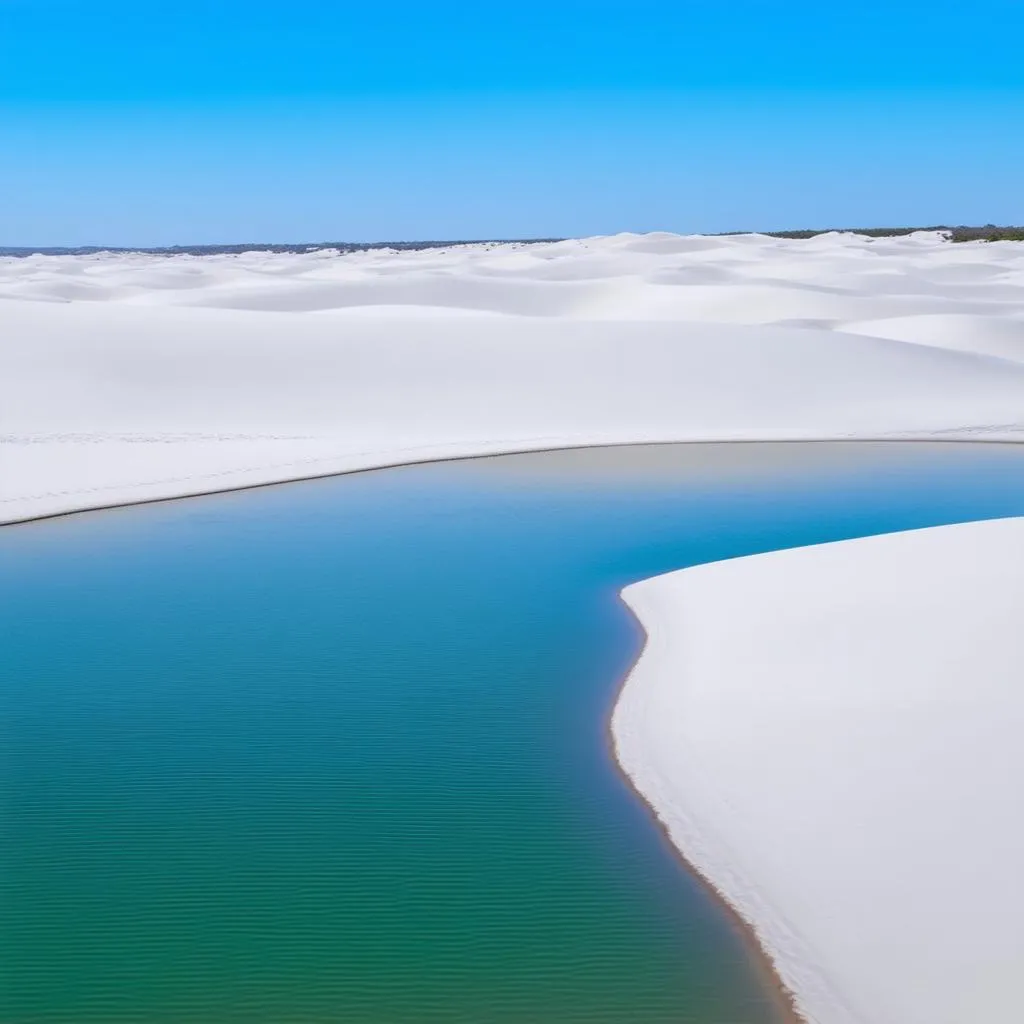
[959,436]
[781,995]
[689,840]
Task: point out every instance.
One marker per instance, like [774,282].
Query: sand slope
[129,377]
[832,734]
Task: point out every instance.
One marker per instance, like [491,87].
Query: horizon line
[959,232]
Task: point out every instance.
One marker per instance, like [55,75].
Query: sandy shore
[831,736]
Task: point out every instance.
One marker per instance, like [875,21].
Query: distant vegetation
[960,233]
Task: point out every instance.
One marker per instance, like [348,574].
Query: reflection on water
[336,751]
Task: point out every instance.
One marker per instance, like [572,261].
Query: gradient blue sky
[151,122]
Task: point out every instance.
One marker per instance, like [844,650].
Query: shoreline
[958,438]
[780,995]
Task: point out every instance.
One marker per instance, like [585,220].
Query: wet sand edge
[782,997]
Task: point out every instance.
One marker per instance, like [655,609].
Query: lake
[338,750]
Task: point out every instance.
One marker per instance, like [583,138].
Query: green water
[336,751]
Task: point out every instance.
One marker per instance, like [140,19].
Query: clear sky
[150,122]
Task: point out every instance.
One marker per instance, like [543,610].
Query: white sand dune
[994,335]
[832,735]
[132,377]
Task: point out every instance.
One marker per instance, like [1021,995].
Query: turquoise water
[336,751]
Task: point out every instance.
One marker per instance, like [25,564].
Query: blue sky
[176,121]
